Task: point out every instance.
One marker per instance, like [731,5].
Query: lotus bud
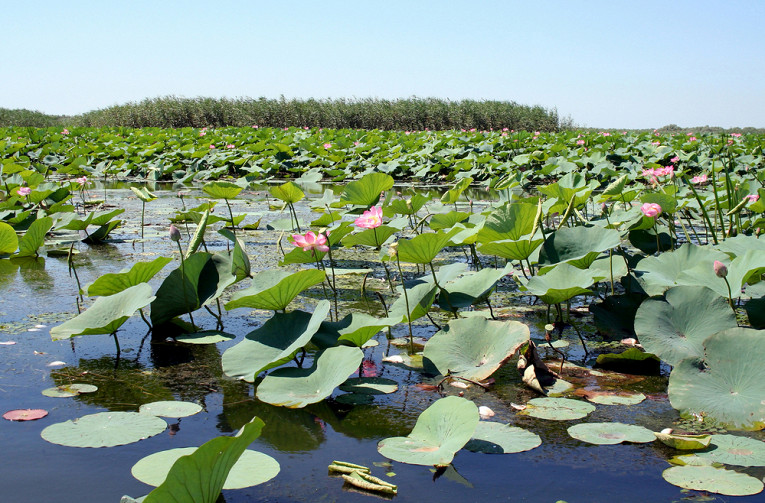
[720,269]
[175,234]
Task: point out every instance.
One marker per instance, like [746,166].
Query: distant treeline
[30,118]
[402,114]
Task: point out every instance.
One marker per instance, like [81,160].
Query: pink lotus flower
[753,198]
[736,135]
[580,142]
[212,145]
[674,160]
[356,143]
[311,241]
[83,180]
[230,145]
[721,270]
[370,219]
[24,191]
[328,146]
[202,133]
[651,209]
[699,179]
[65,131]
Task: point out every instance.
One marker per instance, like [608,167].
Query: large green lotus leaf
[356,328]
[511,249]
[557,409]
[369,385]
[561,283]
[366,191]
[295,387]
[237,258]
[406,207]
[274,342]
[370,237]
[453,194]
[170,408]
[739,245]
[275,288]
[497,438]
[107,314]
[474,347]
[447,220]
[423,249]
[471,288]
[205,276]
[675,327]
[222,190]
[9,241]
[742,269]
[735,450]
[509,222]
[200,476]
[287,192]
[657,274]
[726,384]
[713,480]
[579,246]
[615,316]
[140,272]
[104,429]
[34,238]
[610,433]
[441,430]
[421,293]
[100,234]
[609,266]
[251,469]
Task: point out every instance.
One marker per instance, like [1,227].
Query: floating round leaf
[295,387]
[735,450]
[727,385]
[616,398]
[370,385]
[714,480]
[104,429]
[251,469]
[497,438]
[441,430]
[475,347]
[25,414]
[170,408]
[557,409]
[69,390]
[610,433]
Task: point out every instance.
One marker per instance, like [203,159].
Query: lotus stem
[183,282]
[143,211]
[231,214]
[406,300]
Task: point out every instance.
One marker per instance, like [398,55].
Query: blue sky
[607,64]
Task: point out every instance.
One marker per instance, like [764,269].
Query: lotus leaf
[474,347]
[610,433]
[509,222]
[366,191]
[170,408]
[471,288]
[423,249]
[205,337]
[200,476]
[252,468]
[511,249]
[370,385]
[562,283]
[355,328]
[140,272]
[441,430]
[714,480]
[69,390]
[497,438]
[616,399]
[223,190]
[615,316]
[107,314]
[630,361]
[274,289]
[557,409]
[371,237]
[34,237]
[104,429]
[741,270]
[421,293]
[143,194]
[9,241]
[735,450]
[675,327]
[578,246]
[295,387]
[657,274]
[726,384]
[274,343]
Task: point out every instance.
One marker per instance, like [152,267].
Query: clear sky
[606,64]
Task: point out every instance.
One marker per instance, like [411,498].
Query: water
[304,441]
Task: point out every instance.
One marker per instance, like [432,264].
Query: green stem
[406,300]
[183,282]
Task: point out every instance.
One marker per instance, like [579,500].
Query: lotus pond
[530,328]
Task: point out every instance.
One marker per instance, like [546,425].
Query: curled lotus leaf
[474,347]
[441,430]
[684,442]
